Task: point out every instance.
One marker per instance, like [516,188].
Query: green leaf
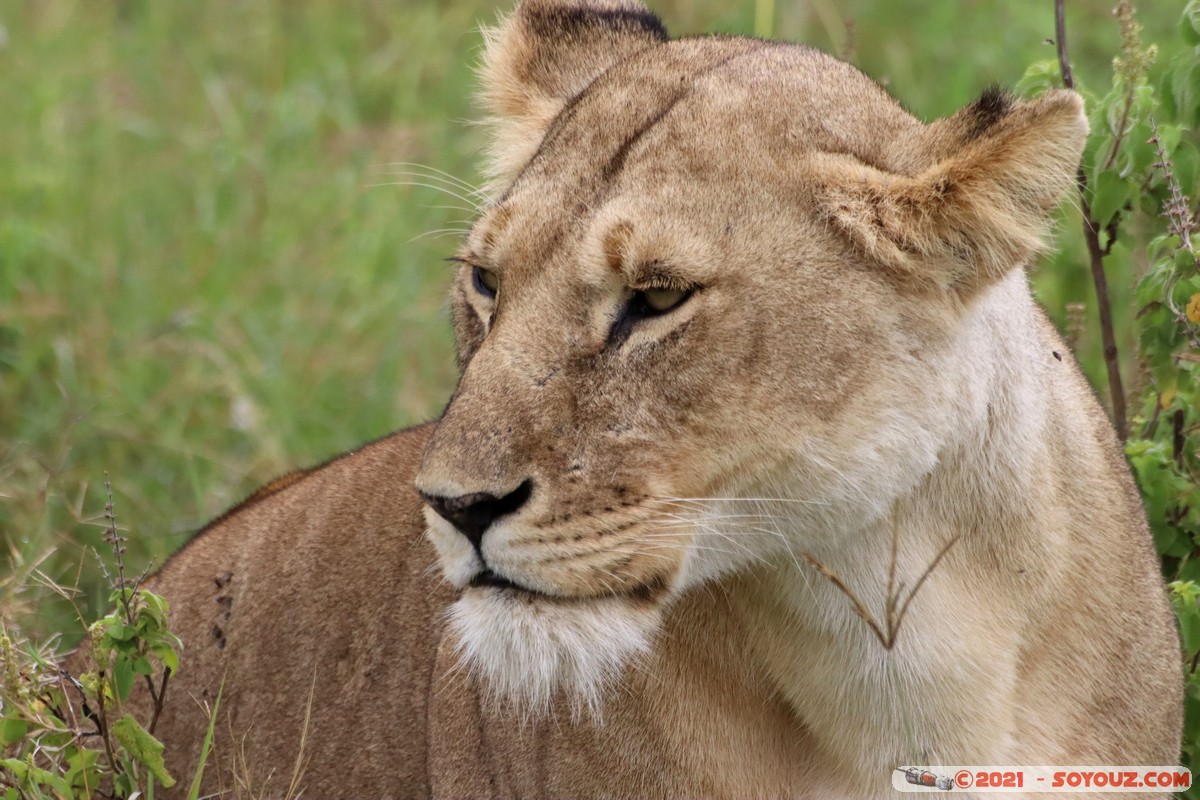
[12,730]
[167,655]
[1137,153]
[1109,196]
[1189,570]
[1189,628]
[1187,164]
[1184,601]
[1095,152]
[1168,138]
[1184,261]
[124,786]
[1038,78]
[83,773]
[1185,78]
[1150,289]
[32,777]
[1189,23]
[155,602]
[122,678]
[118,597]
[143,747]
[120,632]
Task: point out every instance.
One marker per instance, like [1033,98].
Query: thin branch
[920,582]
[1112,361]
[1091,235]
[892,592]
[117,541]
[1181,223]
[855,602]
[1060,40]
[102,723]
[1116,145]
[158,696]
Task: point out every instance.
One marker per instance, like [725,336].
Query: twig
[117,541]
[1180,223]
[1177,210]
[855,603]
[129,592]
[102,724]
[920,582]
[1060,41]
[1112,361]
[158,696]
[890,604]
[1091,235]
[893,618]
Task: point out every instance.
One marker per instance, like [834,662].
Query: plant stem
[158,697]
[1060,41]
[1112,362]
[1091,235]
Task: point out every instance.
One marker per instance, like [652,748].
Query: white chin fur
[527,653]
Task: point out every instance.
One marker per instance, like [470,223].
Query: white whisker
[441,173]
[439,233]
[472,206]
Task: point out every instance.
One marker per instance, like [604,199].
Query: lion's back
[321,589]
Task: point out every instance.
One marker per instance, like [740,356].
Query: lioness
[765,474]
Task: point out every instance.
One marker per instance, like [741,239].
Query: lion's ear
[544,54]
[980,210]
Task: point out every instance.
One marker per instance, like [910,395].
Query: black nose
[473,514]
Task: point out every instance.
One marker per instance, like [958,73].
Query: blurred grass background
[209,274]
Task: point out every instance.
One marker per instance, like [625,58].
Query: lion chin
[529,651]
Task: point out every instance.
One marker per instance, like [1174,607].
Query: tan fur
[860,360]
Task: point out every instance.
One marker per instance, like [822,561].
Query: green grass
[208,275]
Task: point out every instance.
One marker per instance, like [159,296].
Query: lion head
[693,321]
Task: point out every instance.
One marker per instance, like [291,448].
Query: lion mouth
[489,578]
[641,593]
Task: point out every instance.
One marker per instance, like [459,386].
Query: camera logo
[923,777]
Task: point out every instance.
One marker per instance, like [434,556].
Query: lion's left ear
[980,210]
[544,54]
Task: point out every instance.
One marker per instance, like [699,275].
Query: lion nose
[473,514]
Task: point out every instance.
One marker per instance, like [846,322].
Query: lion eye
[644,304]
[660,301]
[486,282]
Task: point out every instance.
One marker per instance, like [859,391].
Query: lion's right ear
[979,210]
[544,54]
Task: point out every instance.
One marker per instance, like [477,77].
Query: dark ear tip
[571,18]
[992,106]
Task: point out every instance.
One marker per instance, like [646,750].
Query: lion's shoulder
[359,472]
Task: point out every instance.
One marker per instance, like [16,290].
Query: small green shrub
[74,737]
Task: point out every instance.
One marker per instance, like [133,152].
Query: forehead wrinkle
[665,84]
